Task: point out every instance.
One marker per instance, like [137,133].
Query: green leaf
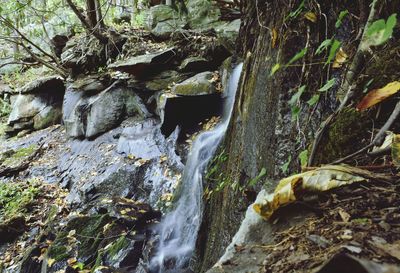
[328,85]
[339,21]
[296,13]
[298,56]
[254,181]
[324,45]
[275,68]
[303,156]
[313,100]
[285,166]
[332,52]
[380,31]
[295,112]
[296,97]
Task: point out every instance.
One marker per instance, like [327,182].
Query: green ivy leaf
[296,97]
[254,181]
[380,31]
[332,52]
[328,85]
[323,46]
[339,21]
[275,68]
[303,156]
[313,100]
[298,56]
[285,166]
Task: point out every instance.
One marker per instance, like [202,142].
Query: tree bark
[95,31]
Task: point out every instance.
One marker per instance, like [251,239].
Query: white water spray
[179,228]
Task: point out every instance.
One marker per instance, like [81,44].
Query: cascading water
[178,230]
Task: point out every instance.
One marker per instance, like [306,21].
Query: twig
[379,138]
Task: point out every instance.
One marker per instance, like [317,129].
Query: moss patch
[15,198]
[346,135]
[14,158]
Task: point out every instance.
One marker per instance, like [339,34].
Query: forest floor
[361,220]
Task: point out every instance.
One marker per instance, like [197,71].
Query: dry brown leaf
[344,215]
[340,59]
[274,37]
[311,16]
[391,249]
[378,95]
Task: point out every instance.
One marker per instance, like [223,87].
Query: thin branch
[10,25]
[96,33]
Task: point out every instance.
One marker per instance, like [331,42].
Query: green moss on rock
[345,136]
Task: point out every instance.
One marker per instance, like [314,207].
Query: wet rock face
[87,116]
[109,235]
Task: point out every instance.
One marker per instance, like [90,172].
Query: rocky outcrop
[36,105]
[200,84]
[88,116]
[145,65]
[163,20]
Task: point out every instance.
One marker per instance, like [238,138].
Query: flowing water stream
[178,230]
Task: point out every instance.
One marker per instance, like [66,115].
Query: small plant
[15,198]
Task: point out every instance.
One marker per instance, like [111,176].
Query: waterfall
[178,229]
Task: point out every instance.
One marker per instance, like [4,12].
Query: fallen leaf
[340,59]
[322,179]
[396,150]
[311,16]
[378,95]
[50,262]
[391,249]
[344,215]
[274,37]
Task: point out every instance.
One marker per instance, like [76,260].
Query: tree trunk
[263,133]
[91,13]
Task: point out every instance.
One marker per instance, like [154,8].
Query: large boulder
[227,34]
[36,105]
[200,84]
[49,84]
[202,13]
[196,64]
[89,116]
[143,65]
[164,80]
[159,13]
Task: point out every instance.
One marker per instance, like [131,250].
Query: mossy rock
[14,158]
[346,135]
[82,235]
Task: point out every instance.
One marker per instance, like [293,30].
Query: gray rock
[196,64]
[26,106]
[52,84]
[139,65]
[89,116]
[106,111]
[159,13]
[91,83]
[202,13]
[163,30]
[163,80]
[200,84]
[227,34]
[50,115]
